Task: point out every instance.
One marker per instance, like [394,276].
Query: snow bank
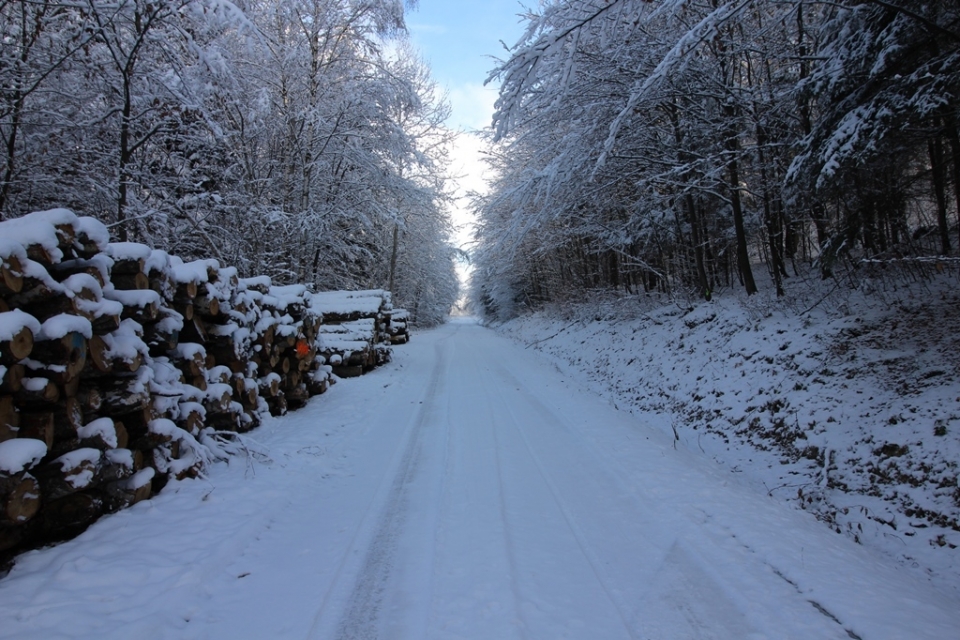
[847,411]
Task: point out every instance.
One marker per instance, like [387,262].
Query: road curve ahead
[467,491]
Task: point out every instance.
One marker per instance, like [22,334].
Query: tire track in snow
[360,620]
[575,530]
[681,562]
[509,544]
[475,572]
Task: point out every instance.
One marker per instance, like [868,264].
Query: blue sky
[457,39]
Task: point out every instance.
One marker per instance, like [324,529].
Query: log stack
[72,356]
[294,344]
[399,328]
[355,334]
[122,367]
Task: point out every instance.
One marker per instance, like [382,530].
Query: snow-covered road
[466,491]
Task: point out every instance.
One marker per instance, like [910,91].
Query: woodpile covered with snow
[399,326]
[355,333]
[122,367]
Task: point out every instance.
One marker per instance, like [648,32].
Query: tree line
[680,145]
[302,139]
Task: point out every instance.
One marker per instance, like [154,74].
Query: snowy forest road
[468,490]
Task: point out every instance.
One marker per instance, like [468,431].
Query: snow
[122,457]
[78,458]
[39,228]
[229,273]
[13,322]
[469,490]
[21,454]
[288,291]
[94,230]
[33,269]
[192,452]
[128,251]
[220,373]
[849,411]
[367,302]
[260,282]
[196,272]
[166,386]
[59,326]
[241,335]
[192,406]
[89,296]
[158,260]
[12,249]
[265,323]
[339,342]
[35,384]
[125,343]
[271,377]
[101,262]
[218,390]
[82,283]
[140,479]
[133,298]
[80,466]
[171,321]
[190,351]
[101,428]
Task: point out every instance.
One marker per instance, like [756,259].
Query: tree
[886,88]
[675,145]
[40,39]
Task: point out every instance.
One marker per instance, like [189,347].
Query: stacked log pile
[399,326]
[355,334]
[122,367]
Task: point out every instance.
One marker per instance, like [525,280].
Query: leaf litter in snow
[849,409]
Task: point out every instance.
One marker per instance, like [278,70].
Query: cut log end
[18,347]
[23,502]
[11,280]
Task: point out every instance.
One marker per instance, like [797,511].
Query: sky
[459,40]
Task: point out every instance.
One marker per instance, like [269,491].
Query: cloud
[421,27]
[472,110]
[472,105]
[466,164]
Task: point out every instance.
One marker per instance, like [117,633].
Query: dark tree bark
[938,177]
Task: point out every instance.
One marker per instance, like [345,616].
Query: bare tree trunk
[954,139]
[935,148]
[772,220]
[743,255]
[123,173]
[393,256]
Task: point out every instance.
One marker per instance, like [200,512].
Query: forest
[298,139]
[690,147]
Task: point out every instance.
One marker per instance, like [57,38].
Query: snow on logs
[355,330]
[399,326]
[122,367]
